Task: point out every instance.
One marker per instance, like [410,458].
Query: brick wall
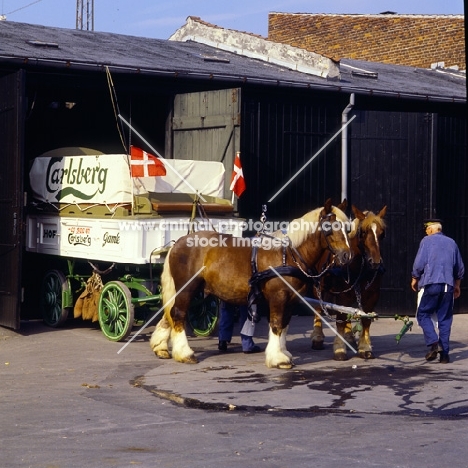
[415,40]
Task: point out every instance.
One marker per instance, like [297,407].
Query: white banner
[99,179]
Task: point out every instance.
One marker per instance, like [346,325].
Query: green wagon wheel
[116,311]
[203,315]
[53,288]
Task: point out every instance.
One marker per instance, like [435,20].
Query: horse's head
[333,224]
[370,232]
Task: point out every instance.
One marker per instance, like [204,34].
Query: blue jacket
[438,261]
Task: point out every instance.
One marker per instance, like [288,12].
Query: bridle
[361,244]
[328,231]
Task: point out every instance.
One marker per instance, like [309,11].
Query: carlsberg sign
[99,179]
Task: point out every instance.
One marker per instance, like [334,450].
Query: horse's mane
[300,228]
[370,219]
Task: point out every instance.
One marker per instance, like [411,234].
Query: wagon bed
[126,229]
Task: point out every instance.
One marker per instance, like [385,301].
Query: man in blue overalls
[438,270]
[226,328]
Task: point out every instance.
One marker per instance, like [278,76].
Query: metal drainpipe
[344,148]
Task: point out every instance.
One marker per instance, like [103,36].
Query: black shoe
[255,349]
[222,346]
[444,358]
[432,353]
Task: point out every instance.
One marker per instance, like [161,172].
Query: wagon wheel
[203,314]
[53,288]
[116,311]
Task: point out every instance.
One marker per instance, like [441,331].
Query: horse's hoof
[163,354]
[190,360]
[285,365]
[280,365]
[366,355]
[340,356]
[317,345]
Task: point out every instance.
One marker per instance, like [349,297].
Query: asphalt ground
[69,397]
[399,380]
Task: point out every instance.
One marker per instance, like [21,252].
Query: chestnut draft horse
[222,265]
[357,284]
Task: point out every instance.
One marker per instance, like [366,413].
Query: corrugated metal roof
[28,45]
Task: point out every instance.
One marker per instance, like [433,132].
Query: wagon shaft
[351,311]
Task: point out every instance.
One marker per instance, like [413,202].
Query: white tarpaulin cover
[186,176]
[105,179]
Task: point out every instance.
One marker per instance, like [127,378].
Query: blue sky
[161,18]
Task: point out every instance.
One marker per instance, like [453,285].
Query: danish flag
[237,180]
[144,164]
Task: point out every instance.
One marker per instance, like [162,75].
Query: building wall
[391,144]
[414,40]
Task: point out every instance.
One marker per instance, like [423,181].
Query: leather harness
[258,277]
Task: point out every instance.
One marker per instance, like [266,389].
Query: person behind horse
[437,269]
[226,328]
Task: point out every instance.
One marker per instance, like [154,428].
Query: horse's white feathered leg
[283,348]
[275,352]
[181,350]
[159,341]
[160,338]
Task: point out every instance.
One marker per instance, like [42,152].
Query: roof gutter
[329,86]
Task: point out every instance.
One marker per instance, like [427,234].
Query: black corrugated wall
[390,164]
[280,136]
[413,162]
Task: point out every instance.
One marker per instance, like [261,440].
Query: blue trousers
[438,299]
[226,325]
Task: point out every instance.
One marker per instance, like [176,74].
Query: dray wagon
[109,231]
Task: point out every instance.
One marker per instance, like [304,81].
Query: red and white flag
[144,164]
[237,180]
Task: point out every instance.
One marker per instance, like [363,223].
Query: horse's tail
[168,288]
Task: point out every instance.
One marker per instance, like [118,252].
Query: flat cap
[428,222]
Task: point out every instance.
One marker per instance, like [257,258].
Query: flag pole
[236,176]
[133,182]
[232,192]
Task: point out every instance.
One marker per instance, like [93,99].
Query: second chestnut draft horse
[222,265]
[357,284]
